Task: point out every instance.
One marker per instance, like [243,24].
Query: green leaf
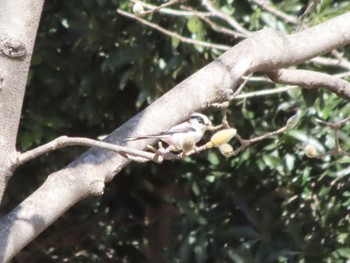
[194,25]
[175,42]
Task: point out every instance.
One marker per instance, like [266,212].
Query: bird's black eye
[198,118]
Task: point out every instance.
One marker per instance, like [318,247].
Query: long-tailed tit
[184,136]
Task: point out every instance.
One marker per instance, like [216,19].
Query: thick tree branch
[264,51]
[310,80]
[19,21]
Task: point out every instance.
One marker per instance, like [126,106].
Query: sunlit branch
[264,92]
[311,79]
[331,62]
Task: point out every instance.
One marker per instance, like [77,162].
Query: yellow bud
[138,9]
[310,151]
[222,137]
[226,149]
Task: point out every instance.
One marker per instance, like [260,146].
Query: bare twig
[239,89]
[173,34]
[325,61]
[222,29]
[246,143]
[308,10]
[174,12]
[65,141]
[228,19]
[338,150]
[276,12]
[264,92]
[188,12]
[157,8]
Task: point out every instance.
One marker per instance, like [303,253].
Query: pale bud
[226,149]
[310,151]
[222,137]
[138,9]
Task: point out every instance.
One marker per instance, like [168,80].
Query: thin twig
[335,126]
[174,12]
[157,8]
[325,61]
[222,29]
[308,10]
[239,89]
[264,92]
[188,12]
[246,143]
[276,12]
[228,19]
[65,141]
[173,34]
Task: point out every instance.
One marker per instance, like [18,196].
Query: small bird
[184,136]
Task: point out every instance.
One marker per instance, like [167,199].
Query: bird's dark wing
[183,127]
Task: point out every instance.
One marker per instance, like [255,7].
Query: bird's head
[200,120]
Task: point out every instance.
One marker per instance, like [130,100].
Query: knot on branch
[11,47]
[96,187]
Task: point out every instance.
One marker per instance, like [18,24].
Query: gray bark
[19,21]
